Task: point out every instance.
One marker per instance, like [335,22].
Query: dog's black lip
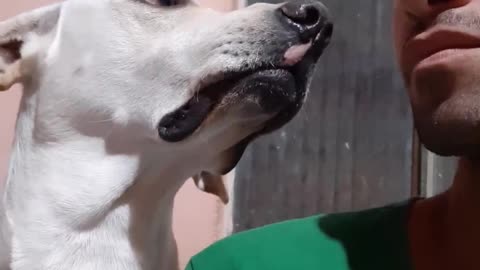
[175,127]
[301,72]
[305,68]
[275,123]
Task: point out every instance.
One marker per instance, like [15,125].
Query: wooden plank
[351,146]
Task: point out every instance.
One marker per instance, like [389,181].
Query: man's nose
[431,8]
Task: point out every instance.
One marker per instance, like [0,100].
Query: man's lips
[435,41]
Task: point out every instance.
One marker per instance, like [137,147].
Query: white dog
[123,101]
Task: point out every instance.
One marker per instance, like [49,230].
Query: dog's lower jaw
[73,206]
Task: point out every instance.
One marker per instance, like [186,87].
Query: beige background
[198,217]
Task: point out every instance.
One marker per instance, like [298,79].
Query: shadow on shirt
[375,239]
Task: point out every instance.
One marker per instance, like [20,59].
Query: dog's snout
[309,17]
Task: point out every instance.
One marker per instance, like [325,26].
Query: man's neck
[444,230]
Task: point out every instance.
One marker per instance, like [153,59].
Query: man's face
[438,48]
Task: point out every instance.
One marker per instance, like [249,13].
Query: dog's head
[164,74]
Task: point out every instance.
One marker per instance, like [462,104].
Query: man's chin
[457,150]
[451,127]
[451,141]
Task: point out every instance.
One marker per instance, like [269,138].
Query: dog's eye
[166,3]
[169,3]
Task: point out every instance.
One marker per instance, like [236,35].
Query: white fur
[91,185]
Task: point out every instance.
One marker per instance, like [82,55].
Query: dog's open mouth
[279,91]
[272,89]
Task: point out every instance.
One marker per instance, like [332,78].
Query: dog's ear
[213,184]
[18,33]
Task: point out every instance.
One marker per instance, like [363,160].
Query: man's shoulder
[272,247]
[330,241]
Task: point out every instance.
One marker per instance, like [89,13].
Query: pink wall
[198,217]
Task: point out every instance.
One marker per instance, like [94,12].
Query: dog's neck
[76,198]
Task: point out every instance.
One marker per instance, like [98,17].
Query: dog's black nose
[309,17]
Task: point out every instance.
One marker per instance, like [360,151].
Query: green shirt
[375,239]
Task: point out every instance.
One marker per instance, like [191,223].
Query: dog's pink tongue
[296,53]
